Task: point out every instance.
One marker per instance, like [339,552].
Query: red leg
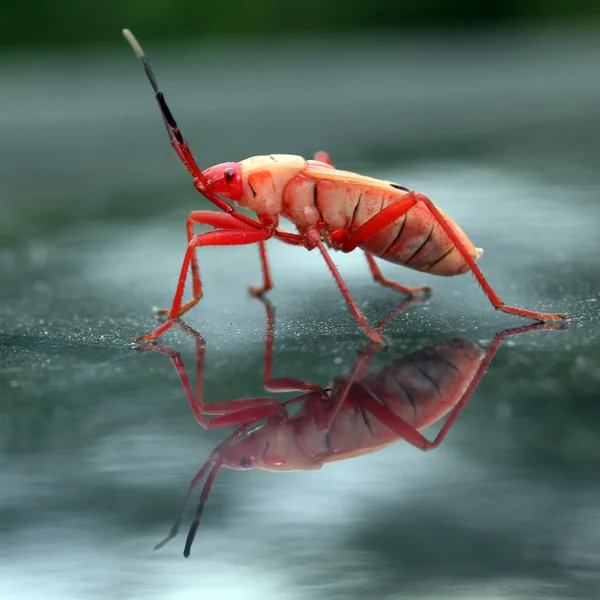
[379,278]
[375,224]
[409,433]
[402,206]
[293,239]
[230,237]
[226,221]
[404,305]
[231,413]
[267,282]
[216,220]
[202,217]
[373,335]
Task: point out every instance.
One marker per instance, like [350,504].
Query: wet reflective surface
[358,413]
[98,442]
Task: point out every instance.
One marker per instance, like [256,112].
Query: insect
[330,208]
[360,413]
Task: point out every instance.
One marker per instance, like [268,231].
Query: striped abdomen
[309,192]
[415,240]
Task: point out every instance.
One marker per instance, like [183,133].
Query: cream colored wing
[318,170]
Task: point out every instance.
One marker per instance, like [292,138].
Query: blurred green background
[68,22]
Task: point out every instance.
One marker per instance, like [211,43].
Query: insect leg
[406,303]
[382,219]
[293,239]
[288,238]
[424,291]
[258,291]
[487,288]
[409,433]
[231,237]
[374,336]
[231,413]
[202,217]
[389,214]
[227,221]
[216,220]
[375,271]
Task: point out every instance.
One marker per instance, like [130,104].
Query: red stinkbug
[330,208]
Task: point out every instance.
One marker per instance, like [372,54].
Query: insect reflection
[358,414]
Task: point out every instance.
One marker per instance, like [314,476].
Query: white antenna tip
[133,43]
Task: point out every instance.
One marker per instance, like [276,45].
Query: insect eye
[245,463]
[229,175]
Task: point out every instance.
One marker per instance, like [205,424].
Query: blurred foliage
[59,23]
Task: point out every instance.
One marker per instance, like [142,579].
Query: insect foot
[555,319]
[424,292]
[530,314]
[139,344]
[378,339]
[160,314]
[558,324]
[258,291]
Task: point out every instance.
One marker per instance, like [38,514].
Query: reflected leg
[287,384]
[230,413]
[424,291]
[231,237]
[400,207]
